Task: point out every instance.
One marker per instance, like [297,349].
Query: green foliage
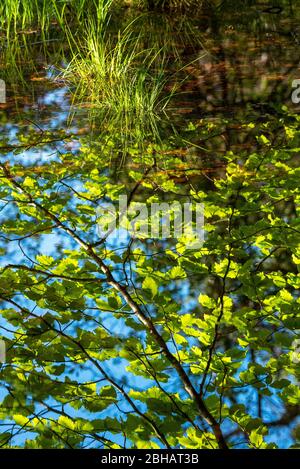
[66,312]
[22,14]
[149,343]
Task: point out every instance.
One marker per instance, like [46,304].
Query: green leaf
[150,284]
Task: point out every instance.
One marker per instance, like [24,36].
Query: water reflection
[233,76]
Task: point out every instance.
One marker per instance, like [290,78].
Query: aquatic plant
[121,82]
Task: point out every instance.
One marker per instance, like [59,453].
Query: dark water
[234,74]
[235,69]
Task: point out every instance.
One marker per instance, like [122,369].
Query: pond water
[188,109]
